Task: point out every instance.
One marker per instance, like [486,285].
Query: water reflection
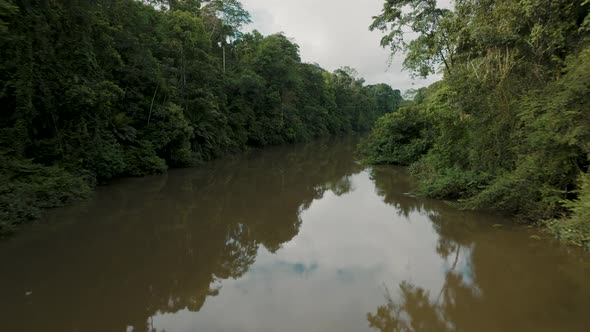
[160,244]
[495,279]
[287,239]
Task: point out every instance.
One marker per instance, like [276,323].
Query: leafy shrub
[27,188]
[397,138]
[143,160]
[107,158]
[446,183]
[576,229]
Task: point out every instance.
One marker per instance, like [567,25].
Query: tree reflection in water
[160,247]
[494,279]
[413,308]
[417,310]
[161,244]
[249,202]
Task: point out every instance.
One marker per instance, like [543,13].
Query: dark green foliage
[508,128]
[27,188]
[123,87]
[143,160]
[7,9]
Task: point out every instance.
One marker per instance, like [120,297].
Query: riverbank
[434,148]
[28,190]
[507,128]
[98,90]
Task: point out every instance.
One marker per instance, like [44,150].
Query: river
[290,238]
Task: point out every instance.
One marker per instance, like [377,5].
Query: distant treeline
[92,90]
[508,128]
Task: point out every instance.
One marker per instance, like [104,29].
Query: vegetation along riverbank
[93,90]
[508,127]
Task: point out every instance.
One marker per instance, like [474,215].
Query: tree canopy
[93,90]
[508,126]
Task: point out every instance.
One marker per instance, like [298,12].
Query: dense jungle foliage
[92,90]
[508,127]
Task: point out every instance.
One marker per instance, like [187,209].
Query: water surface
[298,238]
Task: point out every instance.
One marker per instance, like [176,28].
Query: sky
[338,268]
[333,34]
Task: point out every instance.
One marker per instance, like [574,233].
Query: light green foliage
[509,126]
[398,138]
[576,229]
[553,145]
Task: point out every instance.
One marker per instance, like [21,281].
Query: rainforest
[95,90]
[167,166]
[507,129]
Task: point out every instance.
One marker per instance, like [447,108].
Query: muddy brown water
[294,238]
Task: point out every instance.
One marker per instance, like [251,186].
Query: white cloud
[334,33]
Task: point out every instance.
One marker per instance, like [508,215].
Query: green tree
[435,27]
[507,124]
[93,90]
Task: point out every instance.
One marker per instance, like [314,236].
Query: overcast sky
[334,33]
